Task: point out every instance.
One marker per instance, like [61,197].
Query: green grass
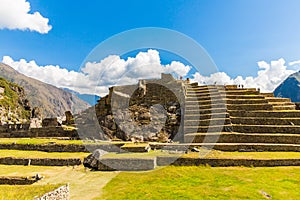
[11,192]
[52,140]
[41,154]
[247,155]
[37,141]
[211,154]
[205,183]
[84,184]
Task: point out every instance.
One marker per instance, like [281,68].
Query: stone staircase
[240,119]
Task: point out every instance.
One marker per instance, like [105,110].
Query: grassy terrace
[28,191]
[49,141]
[206,183]
[37,141]
[41,154]
[163,183]
[211,154]
[84,184]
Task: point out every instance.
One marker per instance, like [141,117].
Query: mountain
[50,99]
[14,107]
[89,98]
[289,88]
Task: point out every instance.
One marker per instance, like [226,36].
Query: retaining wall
[162,161]
[61,193]
[126,164]
[39,132]
[16,181]
[40,161]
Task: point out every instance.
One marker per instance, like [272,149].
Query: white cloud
[268,77]
[15,14]
[96,77]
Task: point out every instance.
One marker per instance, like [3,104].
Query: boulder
[92,160]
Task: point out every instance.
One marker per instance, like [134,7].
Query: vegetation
[41,154]
[37,141]
[211,154]
[12,192]
[13,96]
[84,184]
[206,183]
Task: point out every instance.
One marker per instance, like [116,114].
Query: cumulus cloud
[15,14]
[96,77]
[269,76]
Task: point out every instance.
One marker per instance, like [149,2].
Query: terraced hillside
[240,119]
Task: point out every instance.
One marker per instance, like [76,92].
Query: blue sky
[236,33]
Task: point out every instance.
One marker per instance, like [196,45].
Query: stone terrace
[240,119]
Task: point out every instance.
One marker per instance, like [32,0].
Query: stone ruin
[148,111]
[166,109]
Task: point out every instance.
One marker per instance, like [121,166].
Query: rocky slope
[290,88]
[14,107]
[52,100]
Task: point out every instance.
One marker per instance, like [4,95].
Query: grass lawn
[84,184]
[41,154]
[211,154]
[37,141]
[205,183]
[24,192]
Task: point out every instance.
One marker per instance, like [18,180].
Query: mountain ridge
[53,101]
[289,88]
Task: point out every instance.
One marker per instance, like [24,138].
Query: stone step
[234,137]
[193,101]
[204,129]
[265,121]
[201,90]
[205,111]
[205,102]
[249,107]
[205,86]
[284,107]
[205,106]
[240,97]
[207,122]
[275,103]
[239,89]
[242,92]
[267,94]
[231,86]
[205,116]
[204,94]
[266,128]
[205,98]
[277,99]
[246,101]
[266,114]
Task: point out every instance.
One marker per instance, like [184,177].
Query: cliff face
[290,88]
[52,100]
[14,107]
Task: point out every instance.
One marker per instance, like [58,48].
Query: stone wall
[63,147]
[128,113]
[16,181]
[297,105]
[163,161]
[126,164]
[40,161]
[61,193]
[38,132]
[13,127]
